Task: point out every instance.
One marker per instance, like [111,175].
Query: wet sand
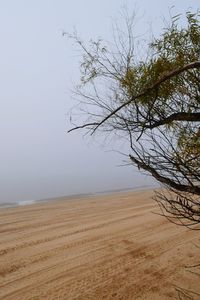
[105,247]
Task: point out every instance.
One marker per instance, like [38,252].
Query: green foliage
[153,101]
[132,79]
[173,49]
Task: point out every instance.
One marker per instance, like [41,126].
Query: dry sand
[108,247]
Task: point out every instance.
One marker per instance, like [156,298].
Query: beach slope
[105,247]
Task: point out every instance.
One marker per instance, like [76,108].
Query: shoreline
[20,203]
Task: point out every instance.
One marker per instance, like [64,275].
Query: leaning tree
[150,94]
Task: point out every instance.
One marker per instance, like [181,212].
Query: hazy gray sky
[37,70]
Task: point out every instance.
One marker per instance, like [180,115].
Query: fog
[38,69]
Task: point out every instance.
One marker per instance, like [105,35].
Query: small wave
[28,202]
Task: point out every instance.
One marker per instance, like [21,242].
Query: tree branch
[82,126]
[165,180]
[193,65]
[181,116]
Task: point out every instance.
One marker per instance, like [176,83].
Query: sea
[73,196]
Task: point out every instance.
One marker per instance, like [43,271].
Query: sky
[38,70]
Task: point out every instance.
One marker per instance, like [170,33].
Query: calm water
[69,197]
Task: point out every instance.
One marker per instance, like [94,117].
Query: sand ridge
[105,247]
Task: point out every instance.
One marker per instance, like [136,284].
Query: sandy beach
[105,247]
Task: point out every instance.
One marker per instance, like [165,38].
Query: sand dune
[105,247]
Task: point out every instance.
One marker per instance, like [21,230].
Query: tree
[154,101]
